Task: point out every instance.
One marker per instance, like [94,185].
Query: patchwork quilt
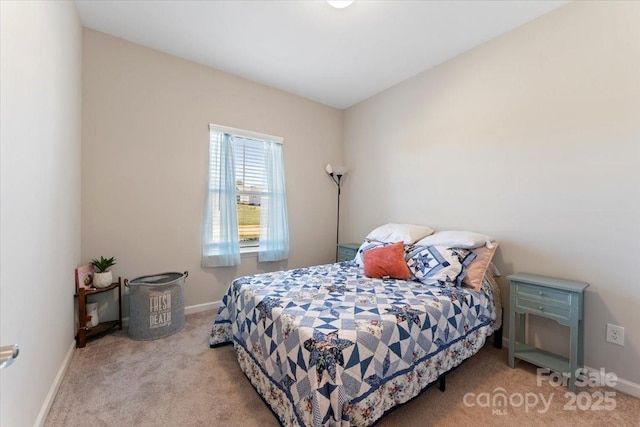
[328,346]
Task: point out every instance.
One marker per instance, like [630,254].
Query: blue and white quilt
[328,346]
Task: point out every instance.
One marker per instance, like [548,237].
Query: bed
[328,346]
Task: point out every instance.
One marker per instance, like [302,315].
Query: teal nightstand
[347,251]
[557,299]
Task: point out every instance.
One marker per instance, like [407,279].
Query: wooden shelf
[84,331]
[101,328]
[98,290]
[541,357]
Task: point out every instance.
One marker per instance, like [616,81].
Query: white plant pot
[102,280]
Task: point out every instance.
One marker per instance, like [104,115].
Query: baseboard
[628,387]
[48,401]
[202,307]
[622,385]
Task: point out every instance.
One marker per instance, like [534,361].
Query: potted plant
[103,277]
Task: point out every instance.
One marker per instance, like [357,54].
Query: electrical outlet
[615,334]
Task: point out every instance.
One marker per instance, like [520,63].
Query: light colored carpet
[180,381]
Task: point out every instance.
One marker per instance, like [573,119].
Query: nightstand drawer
[544,294]
[347,251]
[559,311]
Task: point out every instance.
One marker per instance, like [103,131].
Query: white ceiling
[334,56]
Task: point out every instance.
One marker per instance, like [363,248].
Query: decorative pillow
[477,269]
[367,245]
[407,233]
[386,261]
[438,265]
[456,239]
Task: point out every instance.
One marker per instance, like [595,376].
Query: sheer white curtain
[220,246]
[274,227]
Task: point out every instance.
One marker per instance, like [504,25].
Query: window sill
[249,252]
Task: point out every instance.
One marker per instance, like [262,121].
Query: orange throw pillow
[387,261]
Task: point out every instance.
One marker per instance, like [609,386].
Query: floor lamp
[336,173]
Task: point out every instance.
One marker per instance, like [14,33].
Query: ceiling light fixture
[340,4]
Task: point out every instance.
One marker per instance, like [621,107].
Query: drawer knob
[541,308]
[540,293]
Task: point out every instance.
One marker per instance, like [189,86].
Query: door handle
[8,354]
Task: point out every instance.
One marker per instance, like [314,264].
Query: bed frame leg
[443,383]
[497,336]
[497,340]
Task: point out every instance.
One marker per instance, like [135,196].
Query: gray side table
[557,299]
[347,251]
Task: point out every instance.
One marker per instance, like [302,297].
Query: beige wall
[533,138]
[40,116]
[145,153]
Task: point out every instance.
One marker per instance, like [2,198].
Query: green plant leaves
[103,264]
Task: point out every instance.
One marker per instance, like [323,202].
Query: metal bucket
[156,305]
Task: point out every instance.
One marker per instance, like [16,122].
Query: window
[245,203]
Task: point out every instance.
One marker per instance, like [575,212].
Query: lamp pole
[336,175]
[338,217]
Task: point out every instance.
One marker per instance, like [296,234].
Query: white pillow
[407,233]
[457,239]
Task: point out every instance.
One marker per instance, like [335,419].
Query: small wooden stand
[84,331]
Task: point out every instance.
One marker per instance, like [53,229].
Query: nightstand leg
[512,337]
[581,344]
[573,356]
[522,332]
